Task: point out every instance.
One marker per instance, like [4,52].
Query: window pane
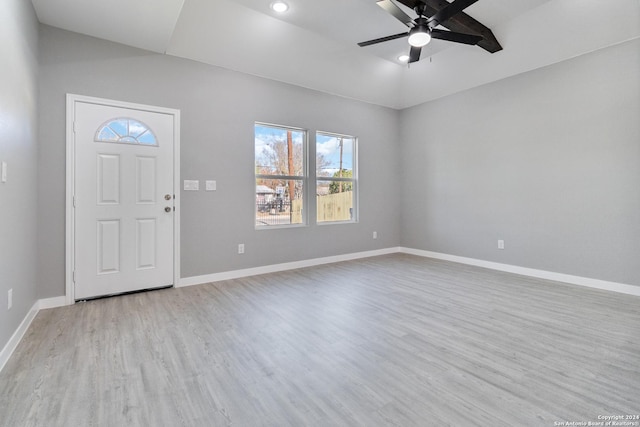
[126,131]
[335,201]
[335,180]
[279,202]
[279,151]
[334,155]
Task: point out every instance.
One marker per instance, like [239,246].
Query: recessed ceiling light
[279,6]
[403,58]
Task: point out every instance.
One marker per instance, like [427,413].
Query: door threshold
[123,293]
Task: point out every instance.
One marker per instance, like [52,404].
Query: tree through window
[280,168]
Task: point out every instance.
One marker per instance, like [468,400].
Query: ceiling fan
[422,29]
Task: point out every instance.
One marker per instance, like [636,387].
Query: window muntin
[126,130]
[336,183]
[280,168]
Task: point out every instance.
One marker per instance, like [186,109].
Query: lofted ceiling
[314,44]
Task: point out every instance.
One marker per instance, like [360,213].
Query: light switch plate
[4,171]
[191,185]
[210,185]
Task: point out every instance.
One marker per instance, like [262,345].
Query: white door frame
[72,99]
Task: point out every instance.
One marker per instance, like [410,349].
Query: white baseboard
[236,274]
[524,271]
[54,302]
[15,339]
[531,272]
[13,342]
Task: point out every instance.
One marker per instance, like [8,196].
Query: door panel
[146,243]
[145,180]
[108,246]
[108,179]
[123,222]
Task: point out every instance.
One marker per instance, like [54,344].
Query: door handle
[167,209]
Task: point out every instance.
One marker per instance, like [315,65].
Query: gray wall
[18,201]
[549,161]
[218,110]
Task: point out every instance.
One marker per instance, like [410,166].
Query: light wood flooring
[396,340]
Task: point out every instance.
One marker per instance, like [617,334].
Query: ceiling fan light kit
[423,28]
[419,36]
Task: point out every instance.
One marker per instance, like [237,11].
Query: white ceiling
[314,44]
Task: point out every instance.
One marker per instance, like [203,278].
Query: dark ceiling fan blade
[447,12]
[461,22]
[383,39]
[414,54]
[455,37]
[394,10]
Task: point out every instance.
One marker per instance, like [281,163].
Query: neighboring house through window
[281,174]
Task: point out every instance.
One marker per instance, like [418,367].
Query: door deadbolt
[167,196]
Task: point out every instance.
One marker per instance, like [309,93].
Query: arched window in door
[125,130]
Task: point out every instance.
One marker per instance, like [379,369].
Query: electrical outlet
[375,234]
[500,244]
[3,171]
[9,299]
[241,248]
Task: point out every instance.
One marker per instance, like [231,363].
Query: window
[336,183]
[281,171]
[126,131]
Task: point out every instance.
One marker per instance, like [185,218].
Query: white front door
[124,199]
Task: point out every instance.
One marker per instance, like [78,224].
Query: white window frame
[305,178]
[353,180]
